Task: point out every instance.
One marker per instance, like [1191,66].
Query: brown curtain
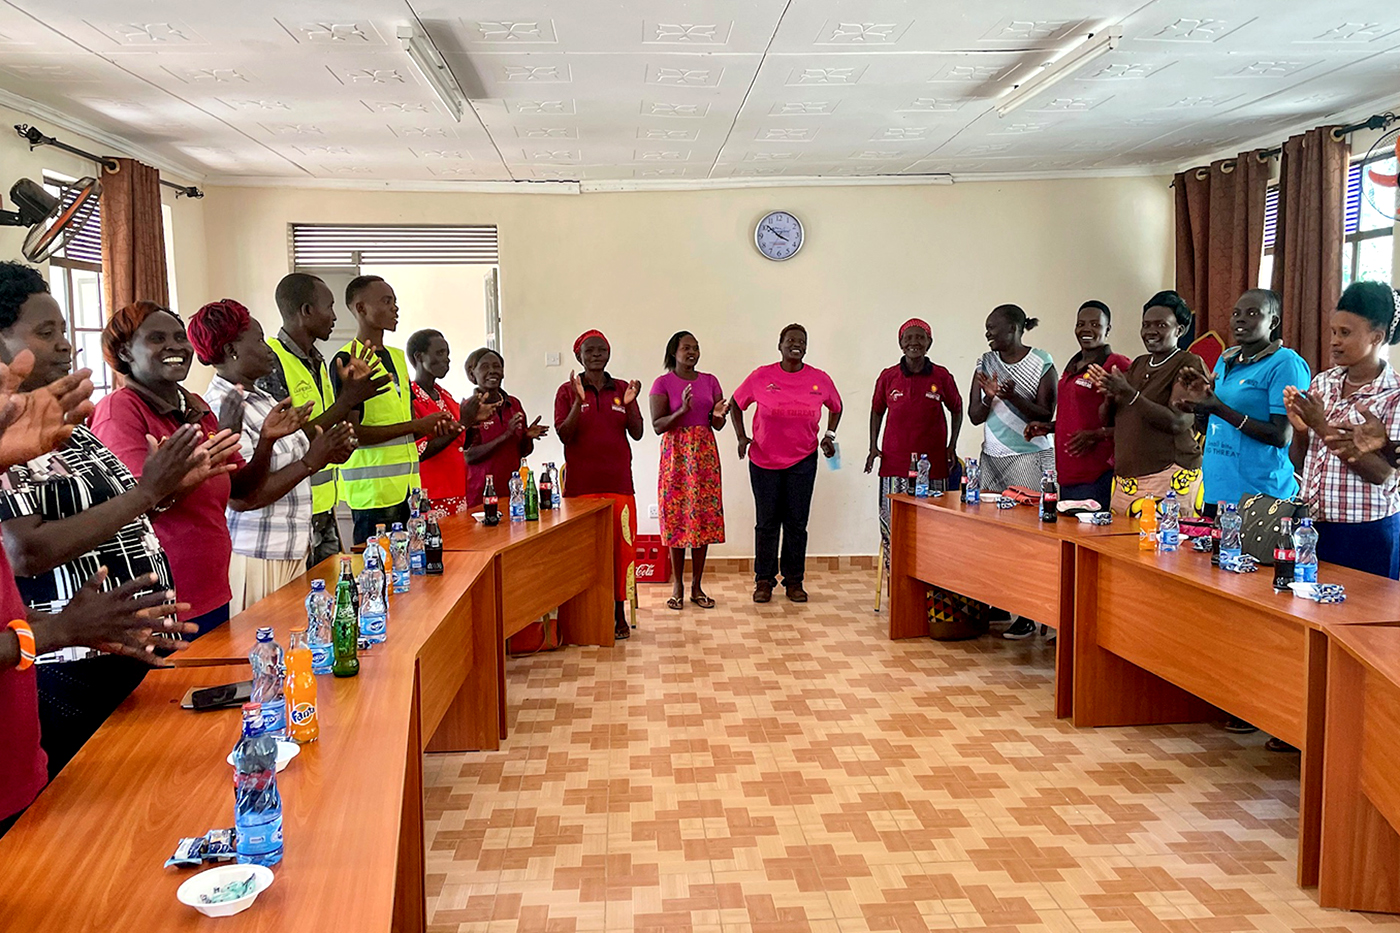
[1309,238]
[1219,235]
[133,236]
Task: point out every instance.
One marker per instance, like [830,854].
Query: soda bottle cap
[265,633]
[398,526]
[318,585]
[379,527]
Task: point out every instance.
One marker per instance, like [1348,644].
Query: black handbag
[1261,515]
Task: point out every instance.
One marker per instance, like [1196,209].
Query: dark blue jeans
[366,519]
[1371,547]
[782,502]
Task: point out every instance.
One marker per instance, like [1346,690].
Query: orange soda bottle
[303,726]
[1147,526]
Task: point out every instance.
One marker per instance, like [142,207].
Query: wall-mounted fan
[1379,180]
[52,221]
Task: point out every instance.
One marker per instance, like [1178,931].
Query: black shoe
[998,615]
[621,630]
[1239,726]
[1021,628]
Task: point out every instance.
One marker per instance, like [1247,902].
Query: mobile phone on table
[225,695]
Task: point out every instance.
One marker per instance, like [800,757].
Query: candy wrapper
[1101,518]
[1006,503]
[1241,564]
[1320,592]
[217,845]
[189,853]
[1204,545]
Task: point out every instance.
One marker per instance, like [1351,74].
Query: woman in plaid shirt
[1355,502]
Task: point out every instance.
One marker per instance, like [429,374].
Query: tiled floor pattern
[786,768]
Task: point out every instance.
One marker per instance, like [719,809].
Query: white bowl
[207,881]
[286,751]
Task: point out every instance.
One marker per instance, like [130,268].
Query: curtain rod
[1379,121]
[36,138]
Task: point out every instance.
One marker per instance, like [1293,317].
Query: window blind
[1351,207]
[319,245]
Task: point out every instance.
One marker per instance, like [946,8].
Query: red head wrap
[915,322]
[578,344]
[122,326]
[215,326]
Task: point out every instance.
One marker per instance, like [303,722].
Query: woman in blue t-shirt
[1241,410]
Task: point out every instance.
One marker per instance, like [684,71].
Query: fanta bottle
[1147,525]
[303,726]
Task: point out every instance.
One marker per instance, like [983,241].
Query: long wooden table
[1169,638]
[87,855]
[1361,771]
[1006,557]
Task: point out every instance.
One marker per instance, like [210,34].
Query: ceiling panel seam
[739,111]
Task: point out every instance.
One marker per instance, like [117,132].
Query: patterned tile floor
[786,768]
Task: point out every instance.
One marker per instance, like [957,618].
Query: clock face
[778,235]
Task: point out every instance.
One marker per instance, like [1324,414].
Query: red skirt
[690,491]
[624,509]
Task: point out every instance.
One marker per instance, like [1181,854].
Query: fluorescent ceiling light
[1054,72]
[430,64]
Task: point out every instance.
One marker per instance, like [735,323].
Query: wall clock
[778,235]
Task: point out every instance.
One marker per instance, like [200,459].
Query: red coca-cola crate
[653,560]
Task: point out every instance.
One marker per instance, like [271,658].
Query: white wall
[642,265]
[451,299]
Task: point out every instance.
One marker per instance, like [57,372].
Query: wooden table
[87,855]
[1361,771]
[1005,557]
[1165,638]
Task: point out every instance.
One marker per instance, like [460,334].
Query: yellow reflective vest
[302,388]
[380,475]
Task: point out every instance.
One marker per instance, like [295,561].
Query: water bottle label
[373,628]
[1305,573]
[321,658]
[259,839]
[275,717]
[417,562]
[400,581]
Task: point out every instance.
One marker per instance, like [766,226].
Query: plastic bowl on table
[207,881]
[286,751]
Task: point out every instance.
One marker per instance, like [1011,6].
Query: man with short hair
[379,476]
[307,306]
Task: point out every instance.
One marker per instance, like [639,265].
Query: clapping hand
[1037,429]
[285,420]
[578,386]
[1305,413]
[1193,391]
[231,411]
[629,395]
[1110,382]
[34,423]
[536,430]
[361,377]
[687,397]
[721,409]
[119,622]
[334,445]
[1353,441]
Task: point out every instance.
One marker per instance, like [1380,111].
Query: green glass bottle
[532,498]
[345,629]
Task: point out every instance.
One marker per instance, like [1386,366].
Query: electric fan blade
[74,210]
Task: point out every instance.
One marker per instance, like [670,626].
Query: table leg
[908,594]
[1314,742]
[1360,858]
[1064,635]
[474,721]
[587,618]
[410,895]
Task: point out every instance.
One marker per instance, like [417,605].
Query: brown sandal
[675,602]
[703,601]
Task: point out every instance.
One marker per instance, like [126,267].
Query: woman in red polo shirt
[505,436]
[594,415]
[149,346]
[442,467]
[920,397]
[1083,432]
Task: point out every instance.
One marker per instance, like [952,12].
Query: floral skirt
[689,488]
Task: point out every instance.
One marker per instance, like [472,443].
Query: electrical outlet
[551,359]
[652,512]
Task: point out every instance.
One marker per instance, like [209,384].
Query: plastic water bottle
[417,556]
[834,461]
[257,807]
[1305,552]
[1231,532]
[1169,529]
[398,555]
[555,489]
[320,613]
[517,499]
[1049,497]
[973,475]
[303,725]
[374,620]
[921,475]
[266,659]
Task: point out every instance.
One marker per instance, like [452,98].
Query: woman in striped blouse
[1012,386]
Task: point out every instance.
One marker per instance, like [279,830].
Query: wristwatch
[830,435]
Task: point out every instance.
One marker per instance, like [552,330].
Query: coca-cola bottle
[491,503]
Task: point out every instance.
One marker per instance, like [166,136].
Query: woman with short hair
[504,436]
[1012,386]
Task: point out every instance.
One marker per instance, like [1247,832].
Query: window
[75,278]
[1370,235]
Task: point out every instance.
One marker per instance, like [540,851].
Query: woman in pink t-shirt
[687,408]
[783,457]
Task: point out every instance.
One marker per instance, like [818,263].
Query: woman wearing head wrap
[790,396]
[1012,386]
[1355,502]
[1083,433]
[270,529]
[1155,450]
[442,464]
[505,436]
[594,415]
[920,397]
[687,408]
[148,345]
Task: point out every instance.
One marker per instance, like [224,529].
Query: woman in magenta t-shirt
[783,457]
[687,408]
[1083,434]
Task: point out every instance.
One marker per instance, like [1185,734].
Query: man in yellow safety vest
[379,476]
[307,306]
